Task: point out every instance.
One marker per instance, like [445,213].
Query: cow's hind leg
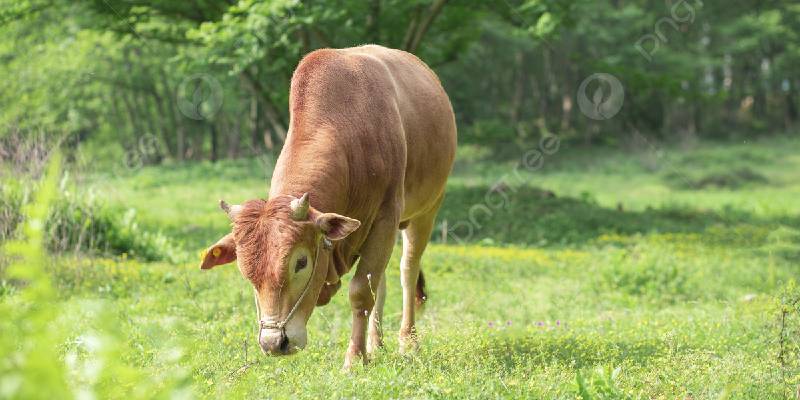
[415,239]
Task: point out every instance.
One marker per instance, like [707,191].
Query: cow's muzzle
[274,342]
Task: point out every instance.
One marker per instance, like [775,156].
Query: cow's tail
[421,295]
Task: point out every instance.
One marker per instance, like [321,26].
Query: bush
[75,224]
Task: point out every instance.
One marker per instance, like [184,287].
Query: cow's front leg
[363,287]
[361,302]
[375,340]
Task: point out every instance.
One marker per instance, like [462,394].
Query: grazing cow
[371,141]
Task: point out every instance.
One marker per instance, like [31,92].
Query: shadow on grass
[570,349]
[723,179]
[530,216]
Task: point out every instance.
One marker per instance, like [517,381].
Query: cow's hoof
[348,365]
[374,344]
[351,360]
[409,344]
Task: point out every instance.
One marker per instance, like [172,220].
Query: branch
[433,12]
[412,27]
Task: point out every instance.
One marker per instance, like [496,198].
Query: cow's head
[275,244]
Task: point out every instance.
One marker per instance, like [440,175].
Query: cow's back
[428,125]
[379,123]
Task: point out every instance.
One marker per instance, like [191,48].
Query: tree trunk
[790,116]
[271,112]
[173,114]
[132,113]
[517,96]
[255,137]
[166,123]
[212,128]
[419,30]
[373,18]
[146,112]
[234,138]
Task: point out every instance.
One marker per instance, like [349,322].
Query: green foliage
[76,224]
[686,301]
[27,369]
[601,384]
[631,270]
[86,225]
[34,363]
[105,74]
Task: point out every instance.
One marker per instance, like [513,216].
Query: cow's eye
[301,263]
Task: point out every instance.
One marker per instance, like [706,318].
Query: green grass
[677,295]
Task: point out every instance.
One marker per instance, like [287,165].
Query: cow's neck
[311,167]
[318,169]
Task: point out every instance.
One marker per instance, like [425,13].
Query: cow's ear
[335,226]
[222,252]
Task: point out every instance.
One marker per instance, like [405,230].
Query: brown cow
[371,142]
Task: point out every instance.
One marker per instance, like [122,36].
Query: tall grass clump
[88,225]
[657,273]
[12,197]
[43,352]
[600,384]
[84,224]
[788,326]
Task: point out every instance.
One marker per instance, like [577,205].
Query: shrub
[85,225]
[75,225]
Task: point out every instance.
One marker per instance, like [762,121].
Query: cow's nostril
[284,345]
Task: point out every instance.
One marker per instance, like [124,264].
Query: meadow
[599,273]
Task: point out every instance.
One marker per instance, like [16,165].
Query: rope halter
[326,244]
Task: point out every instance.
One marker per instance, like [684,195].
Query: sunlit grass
[683,301]
[500,322]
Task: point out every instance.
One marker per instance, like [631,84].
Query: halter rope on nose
[324,243]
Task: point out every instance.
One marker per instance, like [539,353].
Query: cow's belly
[430,157]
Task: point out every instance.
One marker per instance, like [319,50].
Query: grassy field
[657,273]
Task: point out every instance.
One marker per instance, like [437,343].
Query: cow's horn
[231,210]
[300,208]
